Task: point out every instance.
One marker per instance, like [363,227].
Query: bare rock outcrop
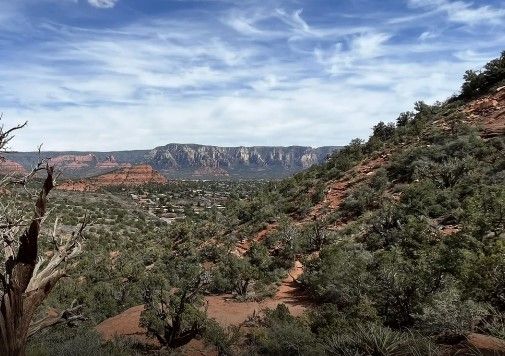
[488,113]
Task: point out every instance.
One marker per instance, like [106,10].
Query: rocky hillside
[184,161]
[402,232]
[77,164]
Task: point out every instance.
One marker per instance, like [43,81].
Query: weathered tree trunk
[18,305]
[25,279]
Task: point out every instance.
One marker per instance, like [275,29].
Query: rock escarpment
[236,160]
[129,176]
[186,161]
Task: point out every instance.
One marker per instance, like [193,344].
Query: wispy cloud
[103,4]
[223,72]
[463,12]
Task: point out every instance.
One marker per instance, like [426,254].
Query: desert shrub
[374,339]
[328,319]
[360,200]
[282,334]
[493,324]
[339,276]
[401,285]
[383,131]
[83,343]
[404,118]
[223,339]
[478,82]
[447,312]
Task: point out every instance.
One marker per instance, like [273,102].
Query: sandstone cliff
[238,161]
[186,161]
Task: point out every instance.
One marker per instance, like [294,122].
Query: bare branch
[67,316]
[6,136]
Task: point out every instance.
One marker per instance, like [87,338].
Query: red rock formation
[129,176]
[488,113]
[8,167]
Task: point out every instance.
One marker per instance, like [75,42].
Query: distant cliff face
[228,160]
[182,161]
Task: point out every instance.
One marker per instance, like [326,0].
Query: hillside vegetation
[401,238]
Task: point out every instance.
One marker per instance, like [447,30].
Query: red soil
[125,324]
[337,191]
[477,344]
[227,311]
[223,308]
[448,230]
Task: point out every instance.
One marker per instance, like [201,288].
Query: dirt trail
[223,308]
[228,311]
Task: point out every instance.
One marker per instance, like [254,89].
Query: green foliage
[374,339]
[283,334]
[339,276]
[446,312]
[84,342]
[478,82]
[246,276]
[223,339]
[173,300]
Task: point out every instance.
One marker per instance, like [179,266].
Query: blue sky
[132,74]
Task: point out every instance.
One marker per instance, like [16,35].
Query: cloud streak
[103,4]
[226,73]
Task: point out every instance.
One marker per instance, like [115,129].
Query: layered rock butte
[9,167]
[128,176]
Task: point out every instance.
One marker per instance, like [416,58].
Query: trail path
[225,310]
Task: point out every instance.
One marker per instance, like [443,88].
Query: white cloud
[427,35]
[358,49]
[103,4]
[243,77]
[294,20]
[463,12]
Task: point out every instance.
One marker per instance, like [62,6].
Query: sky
[135,74]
